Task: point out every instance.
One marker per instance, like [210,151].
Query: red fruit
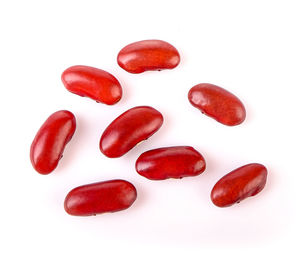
[130,128]
[148,55]
[101,197]
[217,103]
[170,162]
[239,184]
[50,141]
[94,83]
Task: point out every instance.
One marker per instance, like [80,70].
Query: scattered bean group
[138,124]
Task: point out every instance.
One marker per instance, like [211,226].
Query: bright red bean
[94,83]
[148,55]
[217,103]
[130,128]
[50,141]
[101,197]
[170,162]
[245,181]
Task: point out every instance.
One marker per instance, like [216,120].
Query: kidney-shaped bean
[101,197]
[245,181]
[92,82]
[217,103]
[170,162]
[130,128]
[148,55]
[50,141]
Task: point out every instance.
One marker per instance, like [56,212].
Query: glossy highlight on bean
[148,55]
[49,143]
[100,197]
[245,181]
[170,162]
[217,103]
[94,83]
[130,128]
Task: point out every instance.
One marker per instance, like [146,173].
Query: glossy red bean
[148,55]
[94,83]
[170,162]
[217,103]
[50,141]
[101,197]
[239,184]
[130,128]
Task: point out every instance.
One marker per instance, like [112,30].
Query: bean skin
[217,103]
[100,197]
[49,143]
[148,55]
[94,83]
[170,162]
[243,182]
[130,128]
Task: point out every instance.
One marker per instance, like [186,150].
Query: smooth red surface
[170,162]
[101,197]
[217,103]
[239,184]
[49,143]
[148,55]
[92,82]
[130,128]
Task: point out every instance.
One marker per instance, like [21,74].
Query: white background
[250,48]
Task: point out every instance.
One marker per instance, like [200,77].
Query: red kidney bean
[148,55]
[245,181]
[50,141]
[94,83]
[170,162]
[130,128]
[101,197]
[217,103]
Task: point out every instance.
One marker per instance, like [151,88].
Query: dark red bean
[130,128]
[50,141]
[217,103]
[101,197]
[94,83]
[148,55]
[170,162]
[239,184]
